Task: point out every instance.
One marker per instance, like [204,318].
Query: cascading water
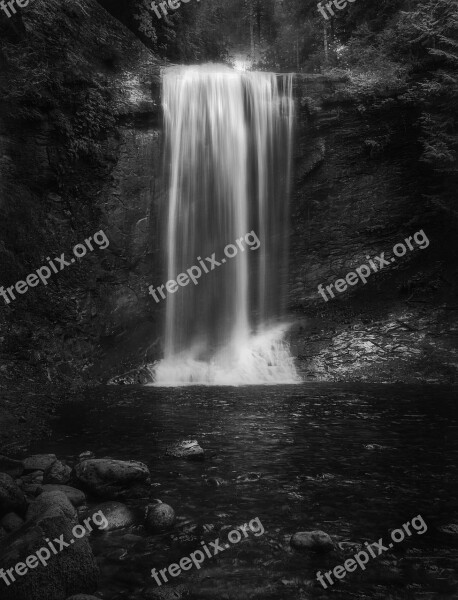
[229,139]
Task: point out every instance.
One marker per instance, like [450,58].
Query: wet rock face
[108,478]
[349,204]
[116,189]
[12,498]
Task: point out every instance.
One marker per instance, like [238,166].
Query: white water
[229,138]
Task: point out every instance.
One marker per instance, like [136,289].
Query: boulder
[10,466]
[316,541]
[160,517]
[117,514]
[72,570]
[12,498]
[38,462]
[57,473]
[188,449]
[76,497]
[51,500]
[109,478]
[11,522]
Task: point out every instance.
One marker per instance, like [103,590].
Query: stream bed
[355,461]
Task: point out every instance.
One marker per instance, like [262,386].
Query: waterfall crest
[229,140]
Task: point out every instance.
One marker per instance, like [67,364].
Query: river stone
[188,449]
[160,517]
[10,466]
[73,570]
[318,541]
[38,462]
[76,497]
[11,522]
[117,514]
[12,498]
[57,473]
[52,500]
[109,478]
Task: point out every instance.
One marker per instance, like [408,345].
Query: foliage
[77,98]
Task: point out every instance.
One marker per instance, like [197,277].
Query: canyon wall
[81,151]
[360,190]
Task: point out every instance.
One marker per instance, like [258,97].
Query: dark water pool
[353,460]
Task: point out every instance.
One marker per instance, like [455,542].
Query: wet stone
[160,517]
[188,449]
[315,541]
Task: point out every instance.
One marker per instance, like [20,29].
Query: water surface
[352,460]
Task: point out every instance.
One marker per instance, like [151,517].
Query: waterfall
[228,144]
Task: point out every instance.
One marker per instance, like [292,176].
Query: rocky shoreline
[41,496]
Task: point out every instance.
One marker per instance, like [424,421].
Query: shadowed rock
[57,473]
[11,522]
[68,572]
[10,466]
[12,498]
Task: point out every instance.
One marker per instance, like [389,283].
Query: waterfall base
[262,359]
